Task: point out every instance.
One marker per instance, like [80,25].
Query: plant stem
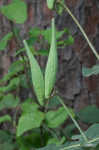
[46,105]
[50,131]
[81,29]
[74,121]
[72,146]
[94,140]
[78,145]
[41,136]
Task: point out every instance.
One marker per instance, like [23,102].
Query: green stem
[81,29]
[50,131]
[74,121]
[94,140]
[72,146]
[78,145]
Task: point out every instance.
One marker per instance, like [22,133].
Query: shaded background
[76,90]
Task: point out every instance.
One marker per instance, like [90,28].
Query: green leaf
[14,83]
[14,69]
[30,141]
[89,114]
[16,32]
[56,141]
[29,121]
[97,148]
[47,34]
[93,131]
[37,76]
[68,131]
[55,118]
[16,66]
[16,11]
[5,136]
[19,51]
[8,101]
[31,41]
[51,67]
[54,102]
[90,71]
[29,106]
[92,134]
[69,41]
[5,118]
[35,32]
[23,81]
[60,8]
[50,4]
[6,141]
[4,41]
[43,52]
[7,146]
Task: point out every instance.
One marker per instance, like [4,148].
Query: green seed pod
[51,67]
[50,4]
[37,76]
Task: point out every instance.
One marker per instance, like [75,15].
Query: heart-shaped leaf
[16,11]
[89,114]
[56,118]
[29,121]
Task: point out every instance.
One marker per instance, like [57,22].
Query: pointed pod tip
[53,20]
[53,25]
[24,41]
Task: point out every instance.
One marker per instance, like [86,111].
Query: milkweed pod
[52,63]
[37,76]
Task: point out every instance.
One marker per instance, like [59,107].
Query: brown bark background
[76,90]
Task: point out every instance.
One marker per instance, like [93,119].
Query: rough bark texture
[77,91]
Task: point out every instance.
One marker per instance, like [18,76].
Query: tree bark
[76,90]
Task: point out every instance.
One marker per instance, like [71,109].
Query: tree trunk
[76,90]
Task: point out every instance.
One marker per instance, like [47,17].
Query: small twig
[72,146]
[79,145]
[80,27]
[74,121]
